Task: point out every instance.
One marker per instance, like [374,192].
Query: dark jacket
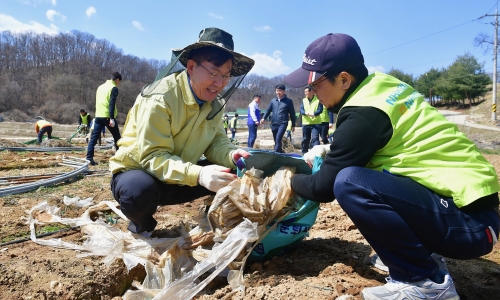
[281,111]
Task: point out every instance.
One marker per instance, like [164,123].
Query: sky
[411,36]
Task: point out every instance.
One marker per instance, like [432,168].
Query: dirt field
[328,264]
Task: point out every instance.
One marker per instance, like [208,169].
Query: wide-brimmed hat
[218,38]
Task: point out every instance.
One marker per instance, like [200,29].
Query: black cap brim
[302,77]
[298,78]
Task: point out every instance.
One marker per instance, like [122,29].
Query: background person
[282,110]
[325,124]
[168,129]
[288,133]
[84,118]
[411,182]
[311,111]
[253,120]
[225,122]
[233,124]
[42,127]
[105,113]
[101,134]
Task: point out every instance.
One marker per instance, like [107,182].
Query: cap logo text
[308,60]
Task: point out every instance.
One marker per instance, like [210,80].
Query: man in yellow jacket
[43,127]
[173,123]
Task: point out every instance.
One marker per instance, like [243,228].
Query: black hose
[38,236]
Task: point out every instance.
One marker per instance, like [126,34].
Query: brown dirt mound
[55,143]
[9,143]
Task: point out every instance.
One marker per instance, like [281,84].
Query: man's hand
[318,150]
[239,153]
[215,177]
[111,122]
[262,121]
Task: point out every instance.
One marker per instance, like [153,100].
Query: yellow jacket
[167,132]
[41,124]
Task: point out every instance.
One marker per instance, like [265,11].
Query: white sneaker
[377,262]
[425,289]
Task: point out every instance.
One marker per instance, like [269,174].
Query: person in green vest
[412,183]
[288,132]
[310,109]
[225,122]
[325,124]
[233,124]
[86,119]
[105,114]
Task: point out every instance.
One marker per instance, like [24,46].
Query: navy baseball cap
[332,52]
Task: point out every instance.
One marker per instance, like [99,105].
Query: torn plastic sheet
[102,239]
[219,258]
[77,202]
[172,273]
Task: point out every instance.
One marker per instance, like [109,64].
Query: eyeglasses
[216,77]
[312,86]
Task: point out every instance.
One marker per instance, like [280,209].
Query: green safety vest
[234,120]
[85,119]
[102,96]
[424,145]
[225,122]
[310,107]
[325,118]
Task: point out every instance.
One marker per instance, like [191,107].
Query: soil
[329,264]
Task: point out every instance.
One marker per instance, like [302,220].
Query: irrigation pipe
[54,149]
[38,236]
[82,167]
[35,177]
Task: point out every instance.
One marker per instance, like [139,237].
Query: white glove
[215,177]
[239,153]
[112,122]
[318,150]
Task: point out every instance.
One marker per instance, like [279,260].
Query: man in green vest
[411,182]
[326,121]
[225,122]
[310,109]
[86,119]
[233,124]
[105,114]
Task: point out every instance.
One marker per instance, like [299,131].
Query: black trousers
[139,194]
[46,129]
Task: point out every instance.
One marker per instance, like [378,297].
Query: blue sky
[412,36]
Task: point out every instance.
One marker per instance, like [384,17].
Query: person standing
[99,139]
[225,122]
[288,131]
[173,123]
[253,120]
[323,127]
[42,127]
[105,114]
[311,111]
[282,110]
[410,181]
[233,124]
